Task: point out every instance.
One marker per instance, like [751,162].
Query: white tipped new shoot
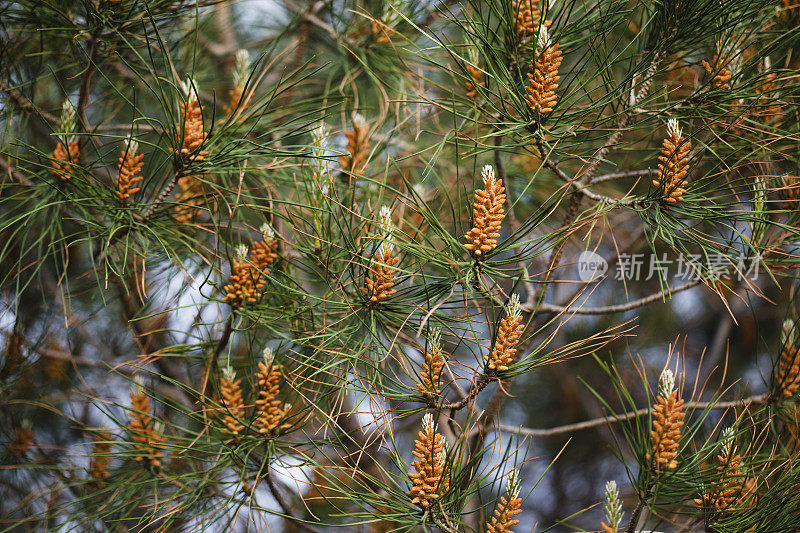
[359,121]
[513,309]
[674,129]
[387,230]
[267,232]
[68,122]
[513,485]
[666,383]
[727,439]
[241,251]
[612,505]
[189,88]
[427,424]
[137,387]
[131,146]
[268,355]
[241,69]
[544,37]
[788,332]
[488,175]
[435,341]
[229,373]
[474,57]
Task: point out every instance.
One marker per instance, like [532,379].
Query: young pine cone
[507,509]
[526,16]
[142,429]
[432,367]
[268,406]
[734,488]
[232,405]
[475,73]
[248,277]
[67,151]
[101,457]
[380,284]
[722,75]
[612,507]
[64,159]
[130,166]
[430,477]
[192,124]
[193,136]
[511,328]
[787,372]
[238,101]
[190,199]
[543,76]
[357,146]
[674,163]
[667,422]
[488,214]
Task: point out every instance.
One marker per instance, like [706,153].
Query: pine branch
[610,309]
[588,424]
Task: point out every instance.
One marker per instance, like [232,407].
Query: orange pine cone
[432,367]
[472,87]
[787,372]
[192,128]
[101,458]
[245,282]
[526,16]
[189,200]
[64,159]
[193,133]
[488,214]
[237,103]
[232,405]
[507,508]
[507,337]
[248,277]
[140,425]
[543,76]
[674,163]
[502,521]
[722,75]
[380,284]
[429,481]
[475,73]
[734,488]
[268,406]
[130,164]
[357,146]
[667,422]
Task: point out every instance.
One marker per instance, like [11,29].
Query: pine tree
[399,266]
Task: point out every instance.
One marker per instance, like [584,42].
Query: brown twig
[609,309]
[588,424]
